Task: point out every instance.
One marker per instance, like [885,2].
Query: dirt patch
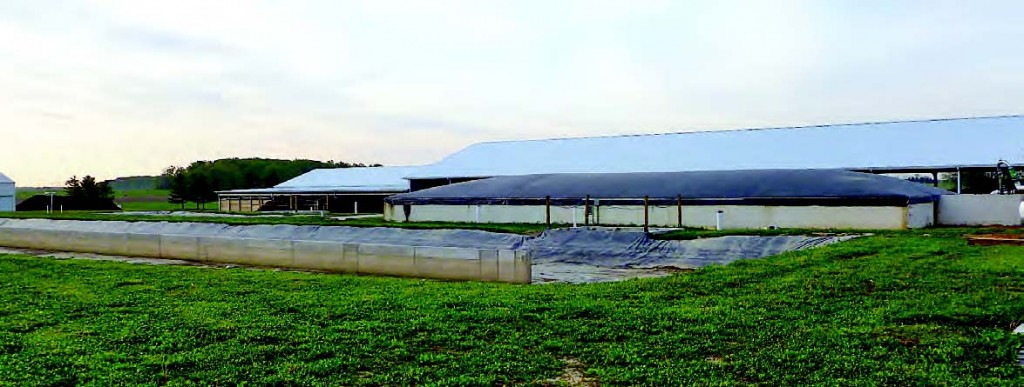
[580,273]
[572,375]
[995,239]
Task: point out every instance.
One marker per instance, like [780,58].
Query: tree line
[200,181]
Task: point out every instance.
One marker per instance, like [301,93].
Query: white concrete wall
[7,197]
[921,215]
[735,217]
[980,210]
[412,261]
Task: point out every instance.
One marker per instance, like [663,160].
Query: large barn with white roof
[829,151]
[927,146]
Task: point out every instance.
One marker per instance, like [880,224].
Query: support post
[959,184]
[547,210]
[646,213]
[586,211]
[574,216]
[935,179]
[679,211]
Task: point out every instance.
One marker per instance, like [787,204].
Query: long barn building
[926,146]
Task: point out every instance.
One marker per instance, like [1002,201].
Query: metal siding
[934,143]
[7,194]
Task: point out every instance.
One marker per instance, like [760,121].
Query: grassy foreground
[898,308]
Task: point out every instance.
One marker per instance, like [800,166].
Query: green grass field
[130,200]
[25,193]
[901,308]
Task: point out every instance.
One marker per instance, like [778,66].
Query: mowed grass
[906,308]
[129,200]
[152,200]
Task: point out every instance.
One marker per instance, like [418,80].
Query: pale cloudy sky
[117,88]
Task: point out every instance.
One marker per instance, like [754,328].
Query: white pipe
[478,213]
[574,216]
[1021,211]
[719,219]
[355,207]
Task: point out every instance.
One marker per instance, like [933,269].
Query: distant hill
[132,183]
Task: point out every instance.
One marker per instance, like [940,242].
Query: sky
[121,88]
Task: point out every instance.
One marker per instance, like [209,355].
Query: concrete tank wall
[980,210]
[735,216]
[921,215]
[454,263]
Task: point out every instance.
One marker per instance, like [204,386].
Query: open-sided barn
[729,199]
[348,190]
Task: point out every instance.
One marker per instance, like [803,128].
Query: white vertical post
[959,187]
[477,217]
[719,219]
[574,216]
[355,207]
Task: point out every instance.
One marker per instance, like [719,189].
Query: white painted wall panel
[735,217]
[921,215]
[979,210]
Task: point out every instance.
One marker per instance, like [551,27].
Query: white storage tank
[6,194]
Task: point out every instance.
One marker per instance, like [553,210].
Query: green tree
[175,176]
[201,180]
[87,192]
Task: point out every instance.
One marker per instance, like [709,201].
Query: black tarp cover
[754,187]
[65,203]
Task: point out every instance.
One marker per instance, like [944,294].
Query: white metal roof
[944,143]
[352,180]
[5,180]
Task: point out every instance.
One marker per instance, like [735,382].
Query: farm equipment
[1010,181]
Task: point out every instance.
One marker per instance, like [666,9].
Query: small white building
[7,197]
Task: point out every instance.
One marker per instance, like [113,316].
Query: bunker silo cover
[753,187]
